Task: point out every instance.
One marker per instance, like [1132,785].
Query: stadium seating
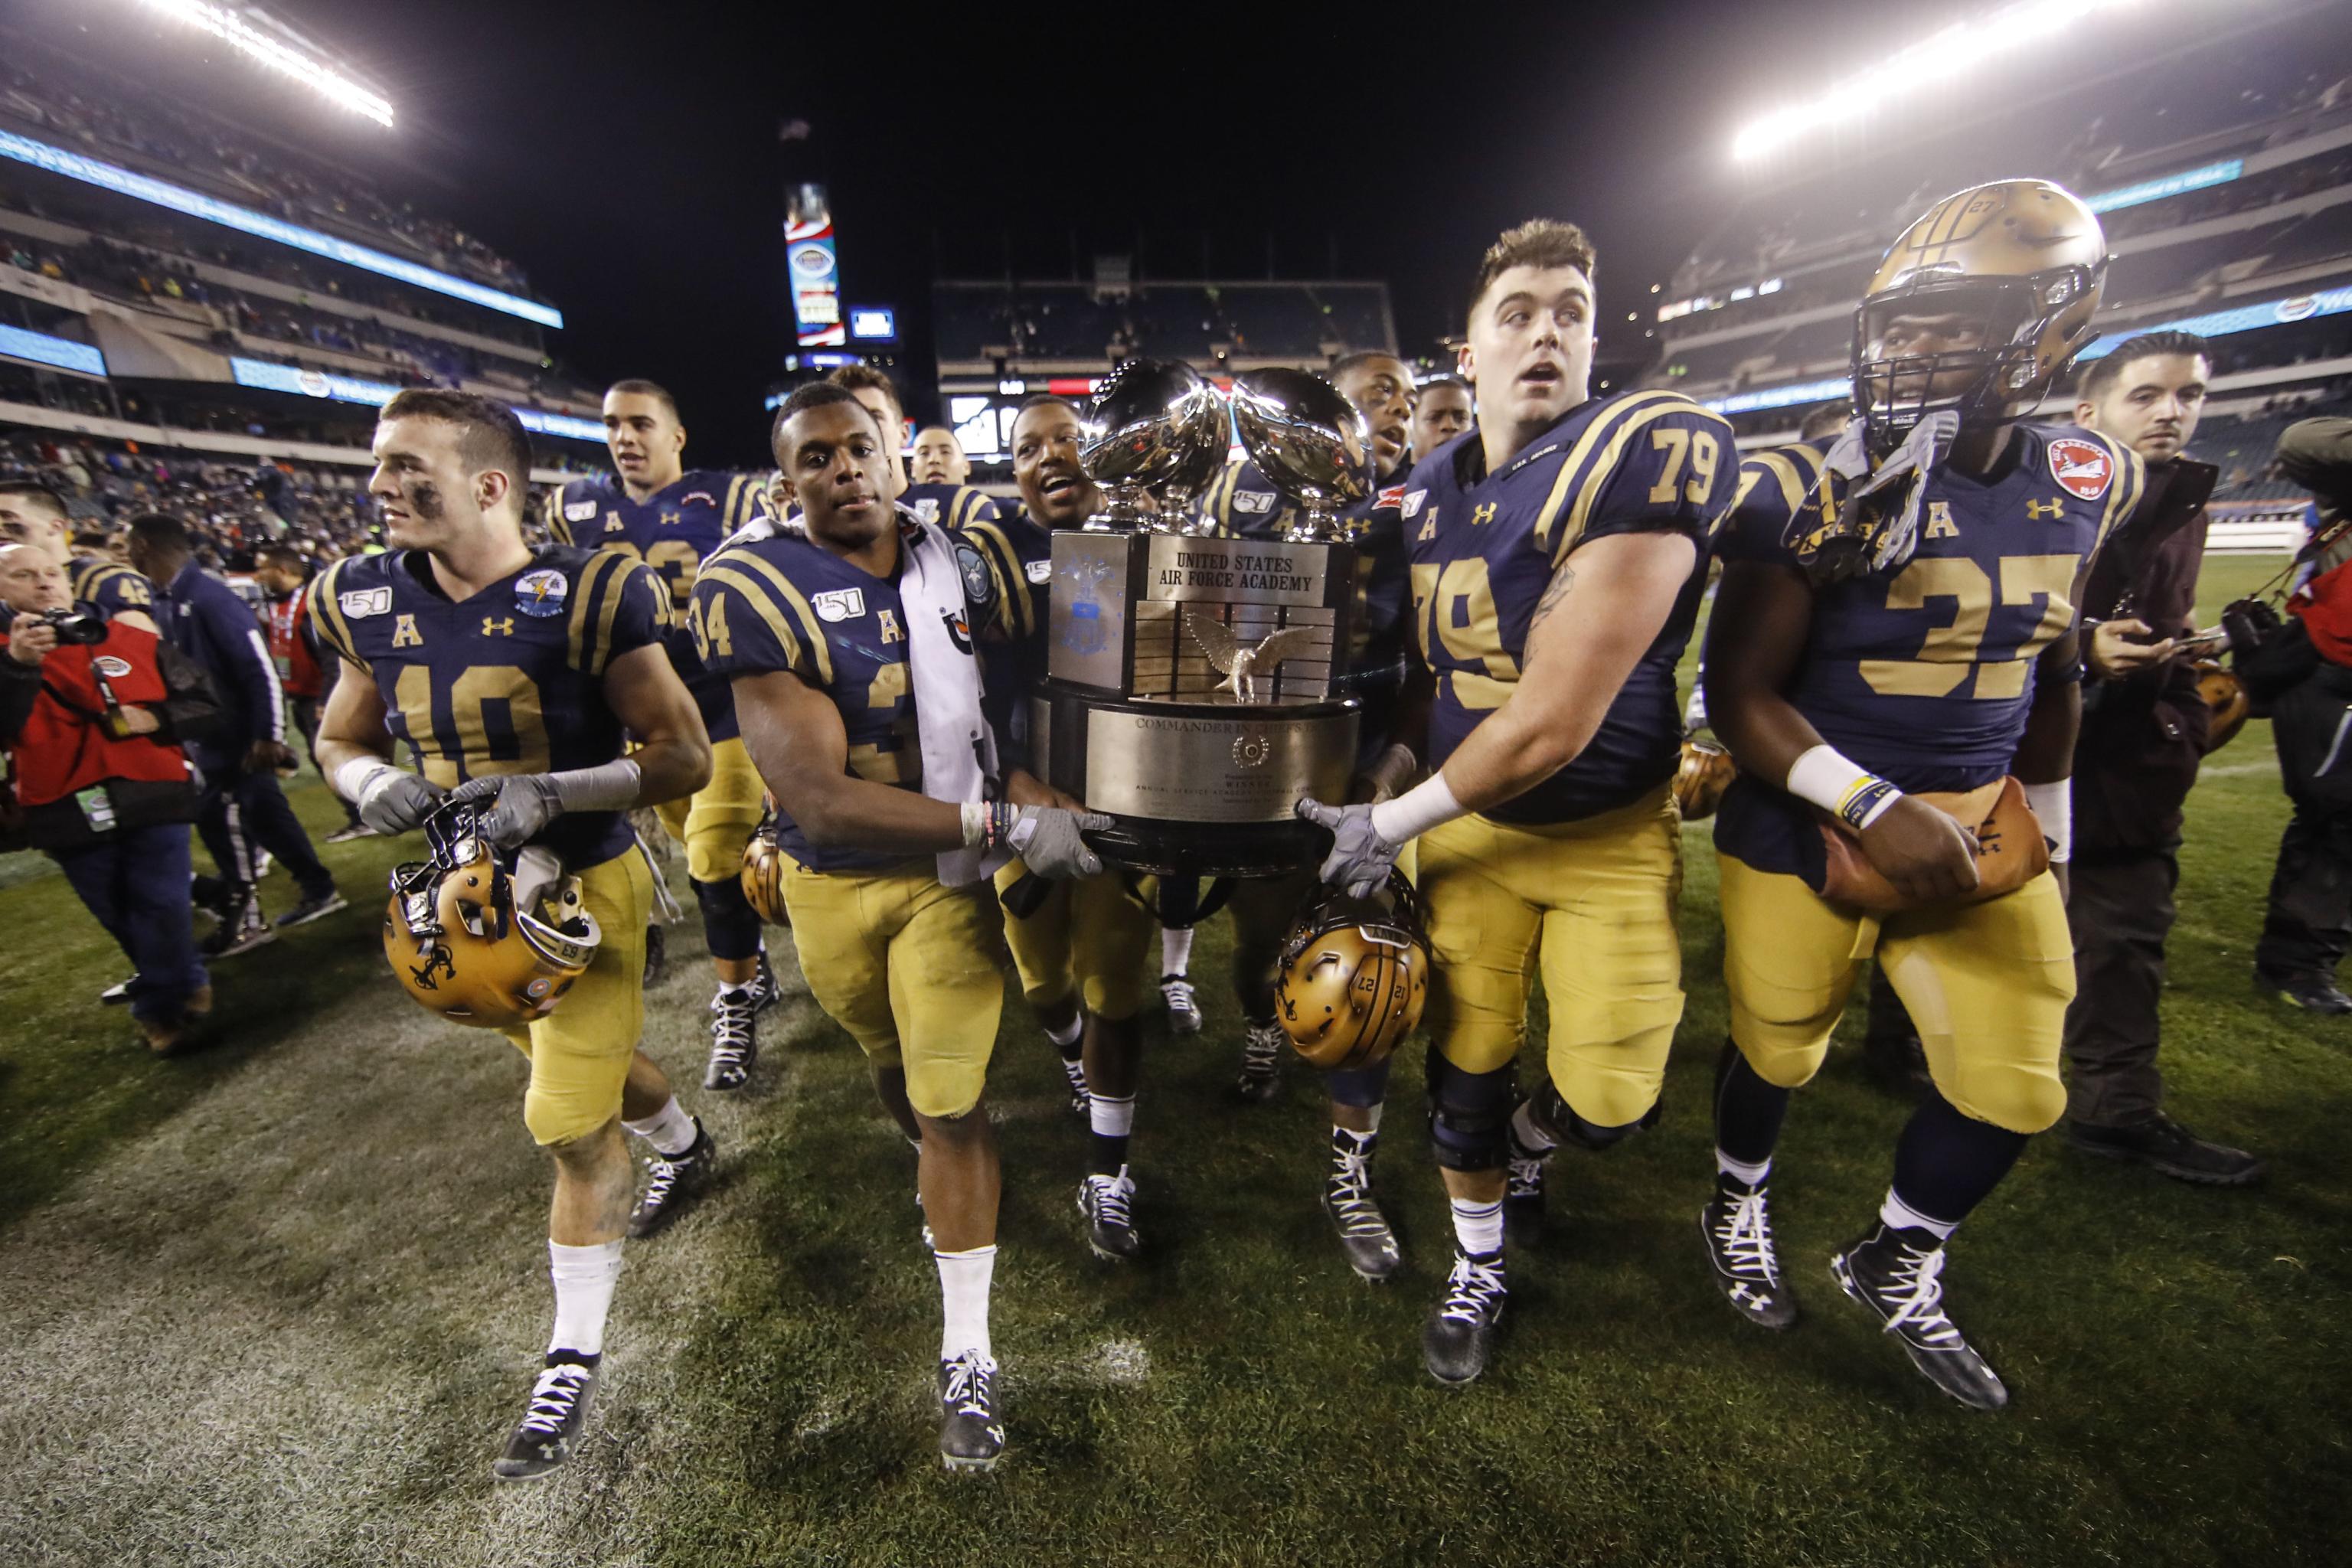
[1073,325]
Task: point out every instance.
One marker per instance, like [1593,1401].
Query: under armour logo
[497,626]
[1484,512]
[2034,510]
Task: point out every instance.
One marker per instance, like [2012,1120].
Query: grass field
[278,1303]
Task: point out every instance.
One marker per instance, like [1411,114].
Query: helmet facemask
[2021,343]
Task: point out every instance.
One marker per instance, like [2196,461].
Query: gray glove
[526,802]
[1046,839]
[1360,858]
[399,803]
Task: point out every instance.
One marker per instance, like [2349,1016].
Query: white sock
[1175,949]
[1478,1226]
[669,1129]
[584,1277]
[1067,1035]
[1902,1216]
[1530,1134]
[1361,1142]
[729,988]
[964,1279]
[1752,1174]
[1111,1118]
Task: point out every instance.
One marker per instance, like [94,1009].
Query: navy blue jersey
[1018,552]
[1242,503]
[671,531]
[511,681]
[109,587]
[952,507]
[1486,547]
[1924,675]
[777,600]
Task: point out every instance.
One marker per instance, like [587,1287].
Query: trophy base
[1196,788]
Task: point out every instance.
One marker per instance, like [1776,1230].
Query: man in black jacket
[2136,759]
[92,731]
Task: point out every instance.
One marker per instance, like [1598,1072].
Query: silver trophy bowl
[1155,428]
[1309,442]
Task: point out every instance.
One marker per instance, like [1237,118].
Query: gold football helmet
[1979,307]
[1353,975]
[1706,771]
[763,871]
[460,946]
[2227,703]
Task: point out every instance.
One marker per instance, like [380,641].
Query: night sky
[627,155]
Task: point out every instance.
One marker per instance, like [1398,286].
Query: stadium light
[272,48]
[1963,45]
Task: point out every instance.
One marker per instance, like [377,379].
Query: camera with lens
[75,628]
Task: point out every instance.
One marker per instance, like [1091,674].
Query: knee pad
[1556,1116]
[729,923]
[1468,1114]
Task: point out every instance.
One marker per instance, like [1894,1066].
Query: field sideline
[277,1304]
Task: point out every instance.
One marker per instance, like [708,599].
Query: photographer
[2304,673]
[92,713]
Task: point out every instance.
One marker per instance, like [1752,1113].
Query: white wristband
[2053,805]
[355,778]
[975,823]
[1416,811]
[1840,786]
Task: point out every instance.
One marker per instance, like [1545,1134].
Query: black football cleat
[734,1038]
[327,903]
[2164,1145]
[1074,1069]
[657,953]
[1898,1275]
[1459,1337]
[673,1181]
[972,1435]
[1523,1189]
[2312,992]
[1364,1232]
[765,991]
[1737,1227]
[558,1409]
[1261,1076]
[242,928]
[1108,1201]
[1183,1005]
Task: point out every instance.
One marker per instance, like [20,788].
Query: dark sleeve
[249,670]
[2317,455]
[20,688]
[191,710]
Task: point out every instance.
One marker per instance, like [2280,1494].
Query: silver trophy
[1310,442]
[1155,428]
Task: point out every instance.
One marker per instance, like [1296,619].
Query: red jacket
[289,645]
[51,723]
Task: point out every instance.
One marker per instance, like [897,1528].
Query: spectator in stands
[244,811]
[938,458]
[1441,411]
[2309,922]
[92,733]
[285,578]
[2135,758]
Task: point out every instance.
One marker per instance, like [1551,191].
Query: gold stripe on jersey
[779,587]
[600,566]
[1003,563]
[1220,503]
[559,527]
[1796,469]
[87,582]
[2123,496]
[1604,468]
[1575,464]
[327,611]
[615,585]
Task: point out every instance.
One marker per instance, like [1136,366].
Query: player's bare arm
[355,754]
[672,754]
[1763,617]
[795,737]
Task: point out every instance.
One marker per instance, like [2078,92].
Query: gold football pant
[909,968]
[1986,984]
[580,1053]
[1088,938]
[1589,905]
[716,821]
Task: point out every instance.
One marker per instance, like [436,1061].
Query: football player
[1381,388]
[1441,411]
[1080,953]
[851,646]
[1558,554]
[653,509]
[938,457]
[512,673]
[1938,664]
[32,513]
[950,503]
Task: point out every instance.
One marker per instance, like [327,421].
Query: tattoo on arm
[1554,592]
